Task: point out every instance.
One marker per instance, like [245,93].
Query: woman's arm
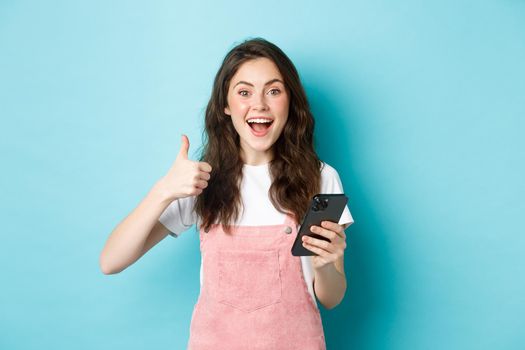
[329,274]
[140,230]
[126,244]
[330,284]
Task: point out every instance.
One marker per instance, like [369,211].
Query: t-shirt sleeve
[331,183]
[179,216]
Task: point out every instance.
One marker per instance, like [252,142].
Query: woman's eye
[274,91]
[243,92]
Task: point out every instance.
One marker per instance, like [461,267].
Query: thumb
[185,146]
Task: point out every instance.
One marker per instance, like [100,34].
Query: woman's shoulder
[330,180]
[327,170]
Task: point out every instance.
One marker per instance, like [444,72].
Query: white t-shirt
[179,216]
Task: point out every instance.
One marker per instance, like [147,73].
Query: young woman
[255,179]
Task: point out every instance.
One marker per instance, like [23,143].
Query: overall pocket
[249,279]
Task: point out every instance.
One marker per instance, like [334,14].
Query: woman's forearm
[125,244]
[329,285]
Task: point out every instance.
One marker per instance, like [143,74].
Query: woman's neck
[259,158]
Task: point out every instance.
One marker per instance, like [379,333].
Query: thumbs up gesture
[186,177]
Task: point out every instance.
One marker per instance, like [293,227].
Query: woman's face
[258,105]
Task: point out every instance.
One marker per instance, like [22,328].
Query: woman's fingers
[204,176]
[321,252]
[201,184]
[319,243]
[203,166]
[332,226]
[324,232]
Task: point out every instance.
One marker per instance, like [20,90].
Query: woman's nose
[259,102]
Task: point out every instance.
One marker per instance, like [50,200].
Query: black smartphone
[324,207]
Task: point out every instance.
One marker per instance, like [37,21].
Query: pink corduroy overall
[254,296]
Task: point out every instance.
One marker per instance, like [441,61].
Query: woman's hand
[328,252]
[185,177]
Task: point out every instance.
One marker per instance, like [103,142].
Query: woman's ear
[227,111]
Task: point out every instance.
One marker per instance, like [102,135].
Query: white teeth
[259,121]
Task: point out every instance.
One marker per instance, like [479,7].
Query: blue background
[419,106]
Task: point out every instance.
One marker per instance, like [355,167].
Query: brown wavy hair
[295,168]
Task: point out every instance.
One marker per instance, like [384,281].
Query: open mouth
[259,125]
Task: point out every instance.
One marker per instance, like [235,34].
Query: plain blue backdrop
[418,104]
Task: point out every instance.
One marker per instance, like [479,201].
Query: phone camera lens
[319,204]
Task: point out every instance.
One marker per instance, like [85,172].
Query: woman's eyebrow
[267,83]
